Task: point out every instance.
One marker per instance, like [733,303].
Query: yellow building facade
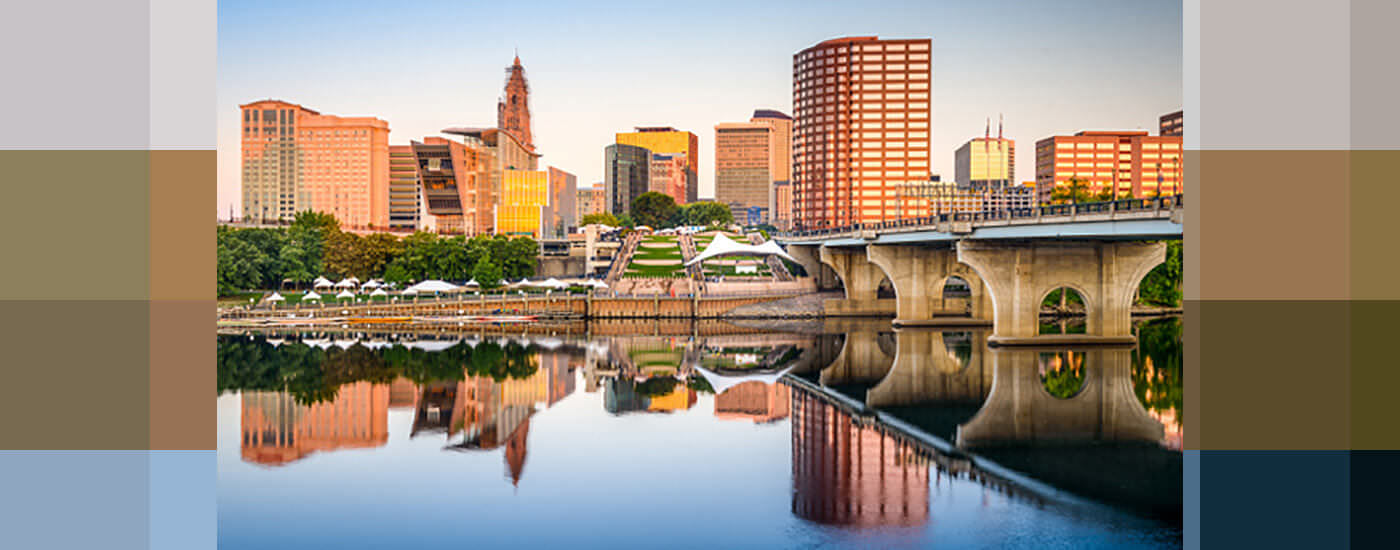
[669,140]
[523,197]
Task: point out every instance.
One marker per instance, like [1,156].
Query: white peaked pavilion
[379,292]
[433,285]
[720,382]
[725,246]
[310,295]
[345,294]
[322,282]
[346,283]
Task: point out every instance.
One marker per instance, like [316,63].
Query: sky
[598,68]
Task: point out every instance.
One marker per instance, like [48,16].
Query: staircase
[623,257]
[780,271]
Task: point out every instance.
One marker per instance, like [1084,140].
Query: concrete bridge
[1010,261]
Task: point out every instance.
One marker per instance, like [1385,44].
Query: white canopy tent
[472,283]
[432,285]
[345,294]
[310,295]
[409,292]
[346,283]
[370,285]
[275,297]
[552,283]
[725,246]
[322,282]
[379,292]
[720,382]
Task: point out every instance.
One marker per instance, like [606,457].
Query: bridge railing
[1008,215]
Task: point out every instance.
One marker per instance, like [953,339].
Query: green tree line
[660,211]
[313,245]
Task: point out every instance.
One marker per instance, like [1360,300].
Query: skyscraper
[563,194]
[457,185]
[522,204]
[513,110]
[780,155]
[664,139]
[296,159]
[985,163]
[1169,124]
[669,175]
[743,166]
[591,200]
[406,209]
[861,132]
[626,172]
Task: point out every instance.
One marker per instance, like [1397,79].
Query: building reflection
[853,473]
[755,401]
[277,430]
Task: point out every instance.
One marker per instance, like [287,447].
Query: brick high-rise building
[513,110]
[669,175]
[780,155]
[1126,162]
[296,159]
[664,139]
[1169,124]
[743,166]
[862,111]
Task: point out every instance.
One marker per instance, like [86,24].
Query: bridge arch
[1064,288]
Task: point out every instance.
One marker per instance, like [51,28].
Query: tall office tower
[668,175]
[591,200]
[743,166]
[780,155]
[501,150]
[513,110]
[861,130]
[522,203]
[626,173]
[405,192]
[985,163]
[1169,124]
[560,213]
[664,139]
[296,159]
[456,183]
[782,205]
[1125,162]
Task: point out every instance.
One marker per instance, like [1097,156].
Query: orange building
[513,110]
[296,159]
[668,175]
[563,193]
[277,430]
[591,200]
[782,205]
[1126,162]
[743,165]
[523,199]
[664,139]
[862,109]
[458,186]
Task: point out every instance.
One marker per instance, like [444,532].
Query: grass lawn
[659,239]
[657,254]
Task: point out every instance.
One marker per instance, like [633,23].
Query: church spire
[513,111]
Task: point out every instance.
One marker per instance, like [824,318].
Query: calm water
[821,435]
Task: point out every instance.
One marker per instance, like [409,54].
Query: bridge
[1009,260]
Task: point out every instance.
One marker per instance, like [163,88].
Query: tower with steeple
[513,109]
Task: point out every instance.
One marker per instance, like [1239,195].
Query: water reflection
[882,424]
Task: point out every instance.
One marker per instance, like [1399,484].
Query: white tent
[379,292]
[275,297]
[322,282]
[725,246]
[433,285]
[346,283]
[409,291]
[355,280]
[472,282]
[551,283]
[522,282]
[370,284]
[720,383]
[595,283]
[345,294]
[310,295]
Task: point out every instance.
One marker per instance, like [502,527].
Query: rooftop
[770,113]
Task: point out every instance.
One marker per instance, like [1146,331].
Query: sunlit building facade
[782,205]
[296,159]
[1126,163]
[780,160]
[560,213]
[753,401]
[513,110]
[524,197]
[591,200]
[862,114]
[668,175]
[664,139]
[406,209]
[985,163]
[277,430]
[457,186]
[743,165]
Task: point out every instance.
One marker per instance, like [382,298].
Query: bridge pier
[809,257]
[1019,411]
[861,361]
[927,370]
[1019,275]
[919,274]
[862,281]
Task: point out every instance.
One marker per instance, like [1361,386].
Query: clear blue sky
[596,68]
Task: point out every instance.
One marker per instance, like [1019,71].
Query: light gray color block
[1375,78]
[184,55]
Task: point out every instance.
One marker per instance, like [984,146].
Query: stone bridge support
[821,352]
[919,274]
[1019,410]
[862,281]
[927,370]
[862,361]
[809,257]
[1019,275]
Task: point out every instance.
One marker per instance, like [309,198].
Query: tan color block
[182,375]
[183,248]
[1375,257]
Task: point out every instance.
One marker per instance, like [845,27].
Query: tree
[600,217]
[625,220]
[237,267]
[487,274]
[653,209]
[344,255]
[704,213]
[1162,285]
[1074,190]
[518,256]
[320,221]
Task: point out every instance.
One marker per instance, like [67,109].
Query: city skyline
[1046,69]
